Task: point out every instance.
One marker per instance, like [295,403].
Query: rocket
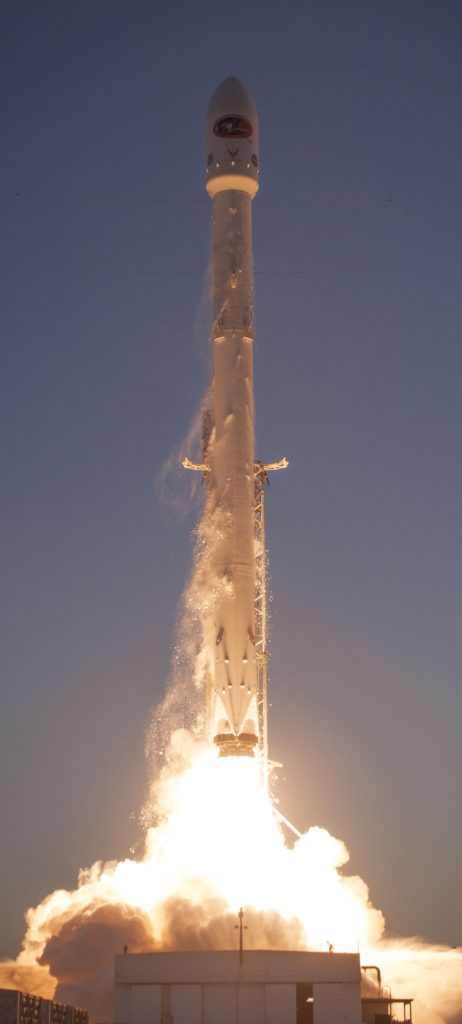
[234,625]
[232,174]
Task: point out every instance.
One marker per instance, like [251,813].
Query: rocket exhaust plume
[215,842]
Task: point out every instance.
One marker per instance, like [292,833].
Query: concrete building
[21,1008]
[258,987]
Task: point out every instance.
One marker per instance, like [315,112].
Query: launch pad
[257,986]
[221,987]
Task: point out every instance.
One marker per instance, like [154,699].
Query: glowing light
[217,846]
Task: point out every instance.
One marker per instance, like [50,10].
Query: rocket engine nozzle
[236,746]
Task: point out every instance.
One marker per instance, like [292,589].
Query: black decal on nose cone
[233,126]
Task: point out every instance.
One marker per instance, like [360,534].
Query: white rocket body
[232,181]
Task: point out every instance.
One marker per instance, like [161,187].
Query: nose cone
[230,98]
[232,140]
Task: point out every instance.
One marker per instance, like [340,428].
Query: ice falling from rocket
[236,707]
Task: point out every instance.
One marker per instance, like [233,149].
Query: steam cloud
[180,896]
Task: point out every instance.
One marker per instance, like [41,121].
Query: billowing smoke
[81,954]
[77,962]
[430,974]
[210,925]
[217,846]
[27,977]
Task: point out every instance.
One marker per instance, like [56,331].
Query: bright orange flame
[219,838]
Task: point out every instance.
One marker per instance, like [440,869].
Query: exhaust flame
[218,846]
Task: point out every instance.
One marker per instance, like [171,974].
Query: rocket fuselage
[232,181]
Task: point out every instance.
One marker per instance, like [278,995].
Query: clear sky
[358,255]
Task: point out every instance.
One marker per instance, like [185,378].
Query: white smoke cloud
[216,846]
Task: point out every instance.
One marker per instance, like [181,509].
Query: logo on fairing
[233,126]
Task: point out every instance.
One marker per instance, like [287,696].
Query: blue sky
[358,369]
